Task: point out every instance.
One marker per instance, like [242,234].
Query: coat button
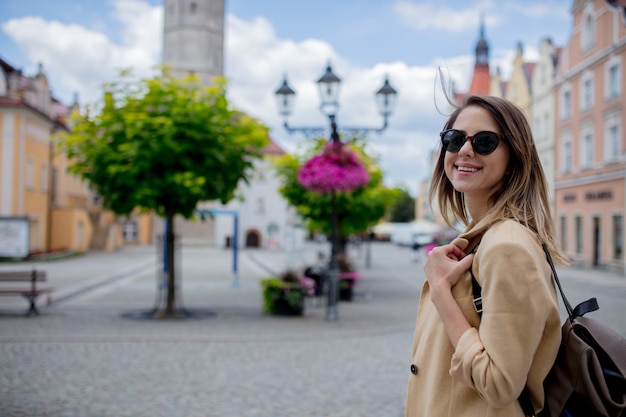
[413,369]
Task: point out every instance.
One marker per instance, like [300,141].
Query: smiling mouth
[467,169]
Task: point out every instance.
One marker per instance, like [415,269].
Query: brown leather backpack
[588,378]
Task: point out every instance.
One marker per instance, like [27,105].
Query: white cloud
[556,9]
[78,59]
[142,28]
[427,15]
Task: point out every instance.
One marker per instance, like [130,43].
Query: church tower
[481,78]
[193,38]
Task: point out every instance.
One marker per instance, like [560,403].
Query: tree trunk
[342,244]
[170,305]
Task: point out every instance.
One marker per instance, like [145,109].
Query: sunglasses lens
[454,139]
[485,142]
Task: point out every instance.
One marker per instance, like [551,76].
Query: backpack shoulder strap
[524,398]
[476,289]
[477,293]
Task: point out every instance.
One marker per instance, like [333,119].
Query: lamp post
[368,255]
[328,86]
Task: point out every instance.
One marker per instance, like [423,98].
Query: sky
[422,46]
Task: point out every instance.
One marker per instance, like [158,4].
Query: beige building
[542,109]
[60,210]
[589,150]
[518,87]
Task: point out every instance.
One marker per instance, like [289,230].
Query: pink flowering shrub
[336,168]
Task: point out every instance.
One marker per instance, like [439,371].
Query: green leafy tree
[163,145]
[356,211]
[403,208]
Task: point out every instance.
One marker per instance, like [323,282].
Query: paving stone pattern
[82,357]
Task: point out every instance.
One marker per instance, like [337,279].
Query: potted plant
[284,295]
[348,277]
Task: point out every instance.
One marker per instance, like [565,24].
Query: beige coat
[514,345]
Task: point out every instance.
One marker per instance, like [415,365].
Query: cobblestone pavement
[88,354]
[91,354]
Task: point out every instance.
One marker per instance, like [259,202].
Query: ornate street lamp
[329,85]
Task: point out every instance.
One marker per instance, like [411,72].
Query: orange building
[59,210]
[589,149]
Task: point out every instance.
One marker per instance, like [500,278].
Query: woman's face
[477,176]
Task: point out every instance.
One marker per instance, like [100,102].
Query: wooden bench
[30,292]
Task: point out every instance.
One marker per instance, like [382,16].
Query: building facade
[542,110]
[34,182]
[518,87]
[589,151]
[265,218]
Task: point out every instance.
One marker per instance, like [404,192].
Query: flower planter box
[283,308]
[285,298]
[347,281]
[345,294]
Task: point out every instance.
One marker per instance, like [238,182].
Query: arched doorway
[253,238]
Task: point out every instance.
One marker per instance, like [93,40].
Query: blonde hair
[524,195]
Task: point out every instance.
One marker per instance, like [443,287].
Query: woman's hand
[445,265]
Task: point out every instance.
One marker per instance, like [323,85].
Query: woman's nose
[467,148]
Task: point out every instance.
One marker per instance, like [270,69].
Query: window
[260,205]
[586,99]
[587,94]
[44,177]
[612,138]
[618,240]
[563,227]
[587,36]
[30,174]
[586,148]
[566,154]
[566,103]
[579,234]
[129,231]
[612,77]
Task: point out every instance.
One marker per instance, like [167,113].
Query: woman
[488,175]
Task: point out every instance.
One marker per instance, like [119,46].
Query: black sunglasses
[483,143]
